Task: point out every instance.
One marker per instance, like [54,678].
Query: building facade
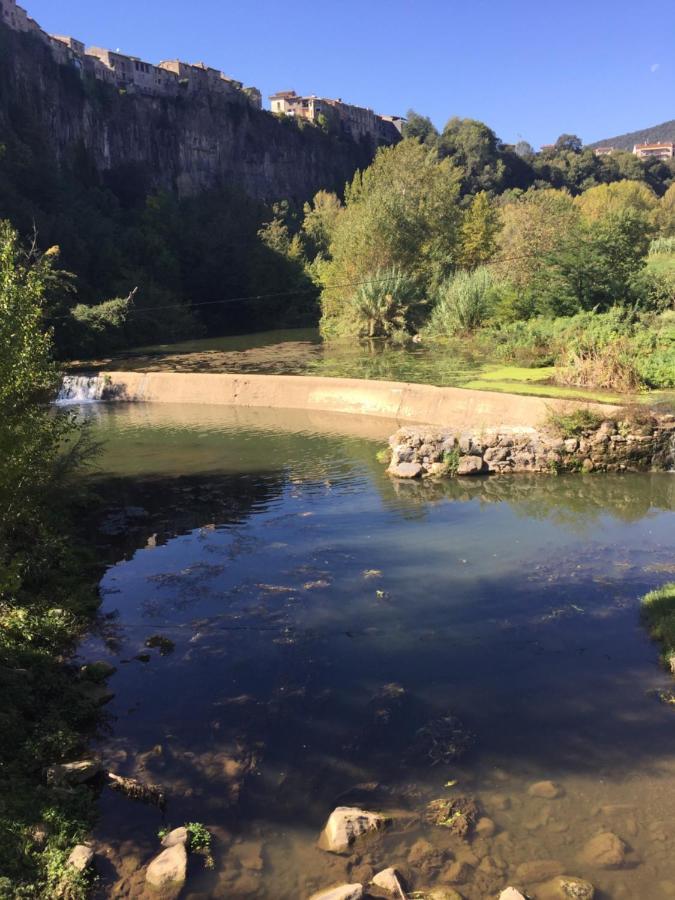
[129,73]
[655,150]
[356,121]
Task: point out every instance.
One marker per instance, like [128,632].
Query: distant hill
[663,132]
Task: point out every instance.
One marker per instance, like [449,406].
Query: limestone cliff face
[186,144]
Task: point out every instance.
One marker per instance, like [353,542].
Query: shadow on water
[321,615]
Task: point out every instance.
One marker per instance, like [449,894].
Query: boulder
[81,857]
[545,790]
[177,836]
[485,827]
[470,465]
[342,892]
[538,870]
[73,772]
[605,851]
[345,824]
[168,870]
[389,881]
[511,894]
[406,470]
[569,887]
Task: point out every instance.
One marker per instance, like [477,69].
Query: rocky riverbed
[632,442]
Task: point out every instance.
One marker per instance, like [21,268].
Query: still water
[321,615]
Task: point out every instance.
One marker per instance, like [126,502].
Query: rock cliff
[187,144]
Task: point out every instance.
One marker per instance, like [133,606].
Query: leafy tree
[533,225]
[619,196]
[595,266]
[474,148]
[569,142]
[524,149]
[402,211]
[665,213]
[420,127]
[320,219]
[478,232]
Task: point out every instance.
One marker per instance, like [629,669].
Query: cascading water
[81,389]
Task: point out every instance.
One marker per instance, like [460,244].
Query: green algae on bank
[447,363]
[658,611]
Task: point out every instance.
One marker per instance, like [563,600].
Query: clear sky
[528,69]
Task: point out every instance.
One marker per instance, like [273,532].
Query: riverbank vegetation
[580,276]
[658,610]
[47,591]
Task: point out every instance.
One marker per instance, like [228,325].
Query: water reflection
[322,615]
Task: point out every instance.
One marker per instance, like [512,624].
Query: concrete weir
[402,402]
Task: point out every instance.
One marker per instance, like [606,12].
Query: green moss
[541,390]
[658,612]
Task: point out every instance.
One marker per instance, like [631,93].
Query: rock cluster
[636,442]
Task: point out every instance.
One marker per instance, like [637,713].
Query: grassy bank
[658,611]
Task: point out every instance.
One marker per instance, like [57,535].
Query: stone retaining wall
[637,442]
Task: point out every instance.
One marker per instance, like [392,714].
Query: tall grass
[662,246]
[463,302]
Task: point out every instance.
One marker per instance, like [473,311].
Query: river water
[321,616]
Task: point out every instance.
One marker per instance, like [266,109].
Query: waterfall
[81,389]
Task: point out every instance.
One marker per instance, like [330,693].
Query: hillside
[663,132]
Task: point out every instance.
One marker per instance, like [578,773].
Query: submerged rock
[167,872]
[442,740]
[388,880]
[546,790]
[81,857]
[539,870]
[345,824]
[569,887]
[604,851]
[458,815]
[74,772]
[342,892]
[511,894]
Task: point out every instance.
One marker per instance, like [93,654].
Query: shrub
[463,302]
[383,305]
[572,424]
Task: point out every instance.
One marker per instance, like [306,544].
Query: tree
[569,142]
[474,148]
[420,127]
[605,199]
[595,266]
[320,219]
[402,211]
[533,225]
[524,149]
[665,214]
[478,232]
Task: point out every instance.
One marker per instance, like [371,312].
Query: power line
[256,297]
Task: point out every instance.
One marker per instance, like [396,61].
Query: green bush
[463,302]
[387,303]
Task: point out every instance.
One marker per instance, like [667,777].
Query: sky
[530,70]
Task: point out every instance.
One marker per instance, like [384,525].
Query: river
[317,616]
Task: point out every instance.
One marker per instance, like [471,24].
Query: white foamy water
[81,389]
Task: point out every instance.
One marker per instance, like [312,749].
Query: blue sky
[529,69]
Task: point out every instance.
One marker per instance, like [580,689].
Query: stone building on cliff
[129,73]
[356,121]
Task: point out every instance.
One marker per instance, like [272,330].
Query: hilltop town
[174,78]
